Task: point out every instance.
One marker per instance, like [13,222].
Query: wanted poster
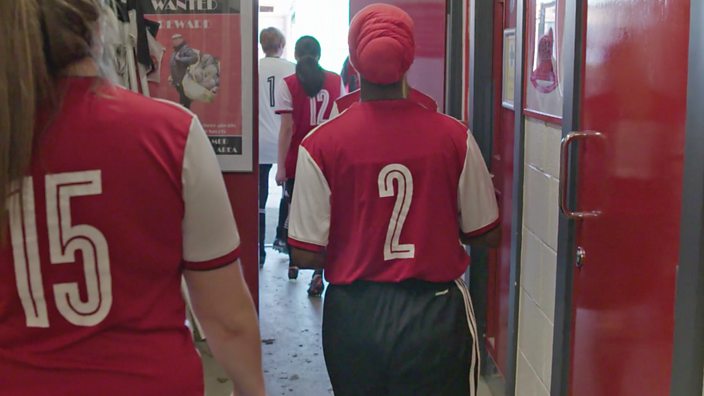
[201,67]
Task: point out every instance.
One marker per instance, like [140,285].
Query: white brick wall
[539,259]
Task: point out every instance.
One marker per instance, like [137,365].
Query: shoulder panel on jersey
[176,106]
[324,125]
[455,122]
[315,162]
[479,211]
[146,112]
[191,116]
[423,99]
[344,102]
[314,130]
[141,99]
[288,89]
[160,125]
[291,81]
[309,216]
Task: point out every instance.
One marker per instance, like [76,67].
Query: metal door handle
[564,182]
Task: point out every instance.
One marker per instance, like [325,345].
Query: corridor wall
[538,258]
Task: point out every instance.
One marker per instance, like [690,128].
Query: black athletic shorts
[400,339]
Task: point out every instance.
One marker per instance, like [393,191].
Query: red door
[634,93]
[502,169]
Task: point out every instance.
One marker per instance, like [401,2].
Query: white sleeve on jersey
[334,112]
[477,200]
[210,237]
[284,99]
[343,90]
[309,219]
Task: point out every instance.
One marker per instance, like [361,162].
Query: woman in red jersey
[386,191]
[305,100]
[111,198]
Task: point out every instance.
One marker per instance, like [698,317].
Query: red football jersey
[124,193]
[307,112]
[386,188]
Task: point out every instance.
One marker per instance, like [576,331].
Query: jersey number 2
[65,240]
[317,114]
[404,180]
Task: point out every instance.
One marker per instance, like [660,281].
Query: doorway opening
[291,322]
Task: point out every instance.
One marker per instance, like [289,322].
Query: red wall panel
[244,191]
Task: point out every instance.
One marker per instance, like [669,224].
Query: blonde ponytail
[39,39]
[24,82]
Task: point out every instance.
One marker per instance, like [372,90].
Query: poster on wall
[509,68]
[544,61]
[201,68]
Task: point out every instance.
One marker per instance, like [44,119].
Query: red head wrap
[381,43]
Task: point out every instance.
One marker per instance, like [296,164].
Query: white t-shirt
[272,71]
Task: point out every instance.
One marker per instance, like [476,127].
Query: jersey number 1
[272,99]
[404,180]
[65,240]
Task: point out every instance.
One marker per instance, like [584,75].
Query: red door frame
[688,356]
[575,21]
[243,188]
[502,167]
[483,94]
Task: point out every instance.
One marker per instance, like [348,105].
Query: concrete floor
[291,344]
[290,328]
[291,324]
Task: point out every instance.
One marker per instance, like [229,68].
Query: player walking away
[183,57]
[350,77]
[111,198]
[272,70]
[305,101]
[385,192]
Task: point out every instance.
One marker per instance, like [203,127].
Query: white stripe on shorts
[474,359]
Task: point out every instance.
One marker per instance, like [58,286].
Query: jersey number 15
[65,240]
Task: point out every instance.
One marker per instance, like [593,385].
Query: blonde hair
[39,39]
[272,40]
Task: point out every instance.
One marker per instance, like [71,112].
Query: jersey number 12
[65,241]
[393,249]
[317,114]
